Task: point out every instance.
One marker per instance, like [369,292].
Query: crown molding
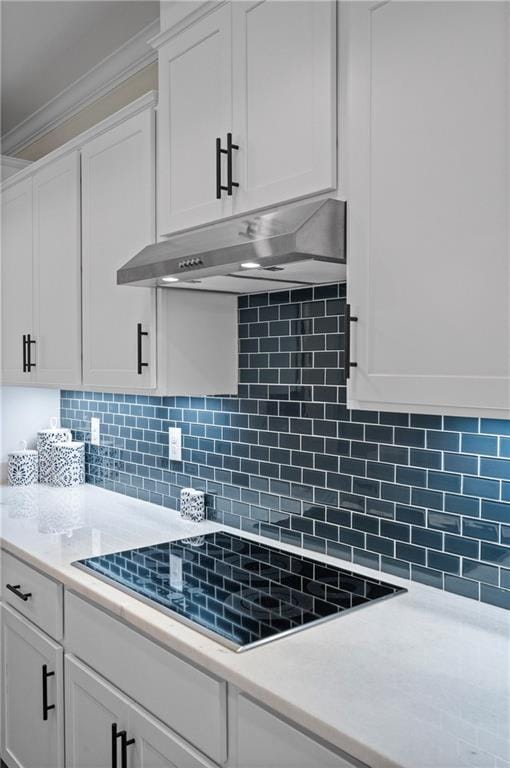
[148,101]
[126,61]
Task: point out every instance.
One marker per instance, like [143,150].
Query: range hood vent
[283,248]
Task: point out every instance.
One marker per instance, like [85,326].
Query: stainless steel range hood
[286,247]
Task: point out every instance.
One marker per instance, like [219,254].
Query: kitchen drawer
[44,605]
[191,702]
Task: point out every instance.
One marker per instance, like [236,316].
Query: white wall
[23,411]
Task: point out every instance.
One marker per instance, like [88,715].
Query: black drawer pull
[139,336]
[230,147]
[347,344]
[15,589]
[29,343]
[124,744]
[25,369]
[45,706]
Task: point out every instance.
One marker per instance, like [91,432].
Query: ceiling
[47,45]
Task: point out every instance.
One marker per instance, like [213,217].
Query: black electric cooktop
[238,591]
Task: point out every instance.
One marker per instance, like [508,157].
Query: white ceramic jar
[23,466]
[67,464]
[46,438]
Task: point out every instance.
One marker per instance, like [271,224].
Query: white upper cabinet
[57,272]
[41,276]
[118,220]
[428,147]
[195,108]
[283,63]
[263,73]
[17,309]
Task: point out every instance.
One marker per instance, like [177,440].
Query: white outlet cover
[95,431]
[175,444]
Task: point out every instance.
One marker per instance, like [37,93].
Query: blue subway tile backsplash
[422,497]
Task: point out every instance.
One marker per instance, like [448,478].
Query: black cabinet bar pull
[115,735]
[219,152]
[29,343]
[347,346]
[24,353]
[45,706]
[15,589]
[230,147]
[139,335]
[125,744]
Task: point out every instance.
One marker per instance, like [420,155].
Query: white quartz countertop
[419,681]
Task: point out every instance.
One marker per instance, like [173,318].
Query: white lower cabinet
[32,696]
[105,728]
[260,739]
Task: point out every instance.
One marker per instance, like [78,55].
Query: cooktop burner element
[238,591]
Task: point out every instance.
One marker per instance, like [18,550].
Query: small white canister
[192,504]
[23,466]
[45,439]
[67,464]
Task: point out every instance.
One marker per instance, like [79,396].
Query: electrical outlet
[175,444]
[95,431]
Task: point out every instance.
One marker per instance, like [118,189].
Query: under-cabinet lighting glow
[170,279]
[250,265]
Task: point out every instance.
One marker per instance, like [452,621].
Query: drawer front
[37,597]
[189,701]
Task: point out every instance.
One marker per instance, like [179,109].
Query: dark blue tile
[462,505]
[494,596]
[482,444]
[498,511]
[427,576]
[477,486]
[493,553]
[460,586]
[425,498]
[477,529]
[411,476]
[459,546]
[425,421]
[427,459]
[495,426]
[410,515]
[443,441]
[480,571]
[395,567]
[443,562]
[458,462]
[495,468]
[442,521]
[442,481]
[425,538]
[395,531]
[461,424]
[394,454]
[410,437]
[410,553]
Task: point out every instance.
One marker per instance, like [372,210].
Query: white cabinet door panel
[284,62]
[118,220]
[262,740]
[28,740]
[17,308]
[93,706]
[195,107]
[428,270]
[57,272]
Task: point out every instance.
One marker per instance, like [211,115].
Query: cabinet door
[118,193]
[194,109]
[28,739]
[260,739]
[284,63]
[428,269]
[17,309]
[93,706]
[57,272]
